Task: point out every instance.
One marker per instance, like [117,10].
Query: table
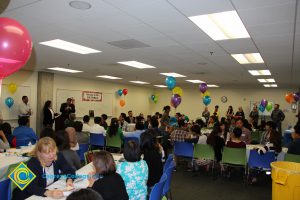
[12,156]
[83,183]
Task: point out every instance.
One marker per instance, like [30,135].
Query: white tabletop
[83,183]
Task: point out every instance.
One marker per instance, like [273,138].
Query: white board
[82,107]
[13,112]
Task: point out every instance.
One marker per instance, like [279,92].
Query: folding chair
[167,186]
[5,189]
[82,149]
[292,158]
[184,149]
[157,190]
[204,151]
[126,139]
[97,140]
[114,141]
[168,162]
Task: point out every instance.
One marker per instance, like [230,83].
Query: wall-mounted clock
[224,99]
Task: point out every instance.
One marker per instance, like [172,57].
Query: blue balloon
[120,92]
[206,100]
[152,97]
[261,108]
[173,121]
[9,102]
[170,82]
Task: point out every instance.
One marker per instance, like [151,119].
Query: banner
[91,96]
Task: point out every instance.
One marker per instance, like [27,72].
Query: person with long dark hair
[114,129]
[49,114]
[229,113]
[216,142]
[165,119]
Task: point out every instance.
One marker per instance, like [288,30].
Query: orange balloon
[289,97]
[122,103]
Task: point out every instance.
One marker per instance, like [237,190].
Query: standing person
[130,119]
[277,117]
[67,108]
[254,116]
[48,114]
[240,113]
[25,108]
[206,114]
[216,111]
[122,122]
[229,113]
[165,119]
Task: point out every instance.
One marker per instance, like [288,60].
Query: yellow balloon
[12,88]
[206,93]
[177,90]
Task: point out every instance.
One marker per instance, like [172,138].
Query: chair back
[204,151]
[97,139]
[292,158]
[185,149]
[114,141]
[261,161]
[126,139]
[234,156]
[5,189]
[157,190]
[168,162]
[22,142]
[82,149]
[168,172]
[256,136]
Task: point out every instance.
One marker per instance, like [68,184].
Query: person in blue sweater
[24,134]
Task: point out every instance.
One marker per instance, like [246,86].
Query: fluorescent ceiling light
[221,26]
[108,77]
[173,74]
[64,70]
[270,85]
[161,86]
[259,72]
[212,86]
[270,80]
[139,82]
[248,58]
[195,81]
[136,64]
[69,46]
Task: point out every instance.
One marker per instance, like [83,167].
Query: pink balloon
[15,46]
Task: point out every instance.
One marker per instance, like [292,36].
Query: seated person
[217,142]
[246,134]
[97,128]
[236,141]
[122,122]
[86,127]
[111,185]
[114,129]
[6,128]
[196,136]
[85,194]
[180,133]
[4,144]
[45,163]
[134,172]
[24,134]
[294,147]
[70,121]
[271,139]
[63,145]
[47,132]
[72,138]
[82,137]
[103,121]
[139,129]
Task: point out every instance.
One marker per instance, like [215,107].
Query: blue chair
[5,191]
[287,137]
[82,149]
[261,161]
[184,149]
[97,140]
[168,162]
[22,142]
[126,139]
[157,190]
[167,186]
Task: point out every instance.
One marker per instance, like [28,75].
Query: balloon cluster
[292,97]
[265,105]
[12,88]
[177,91]
[154,98]
[205,94]
[121,92]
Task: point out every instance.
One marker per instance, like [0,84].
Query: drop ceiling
[172,43]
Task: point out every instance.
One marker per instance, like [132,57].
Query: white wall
[24,78]
[193,106]
[137,98]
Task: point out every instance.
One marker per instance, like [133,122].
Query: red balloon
[125,91]
[15,46]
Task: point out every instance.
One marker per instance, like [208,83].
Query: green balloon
[269,106]
[155,99]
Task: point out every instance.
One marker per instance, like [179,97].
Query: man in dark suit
[67,107]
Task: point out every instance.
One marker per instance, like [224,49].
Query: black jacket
[65,111]
[38,185]
[48,120]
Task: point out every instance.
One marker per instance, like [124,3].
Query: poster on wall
[91,96]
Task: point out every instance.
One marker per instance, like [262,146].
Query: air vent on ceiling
[128,44]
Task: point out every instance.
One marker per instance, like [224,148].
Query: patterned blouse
[135,176]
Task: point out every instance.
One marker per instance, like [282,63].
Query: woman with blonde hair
[48,166]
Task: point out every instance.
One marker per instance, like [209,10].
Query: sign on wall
[91,96]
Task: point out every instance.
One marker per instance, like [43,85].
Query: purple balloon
[264,102]
[203,87]
[296,96]
[175,100]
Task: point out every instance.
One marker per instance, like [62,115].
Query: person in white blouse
[96,128]
[86,127]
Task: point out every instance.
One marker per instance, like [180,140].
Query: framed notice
[91,96]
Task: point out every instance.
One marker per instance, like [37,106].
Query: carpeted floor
[186,186]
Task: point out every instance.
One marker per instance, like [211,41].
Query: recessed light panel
[64,70]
